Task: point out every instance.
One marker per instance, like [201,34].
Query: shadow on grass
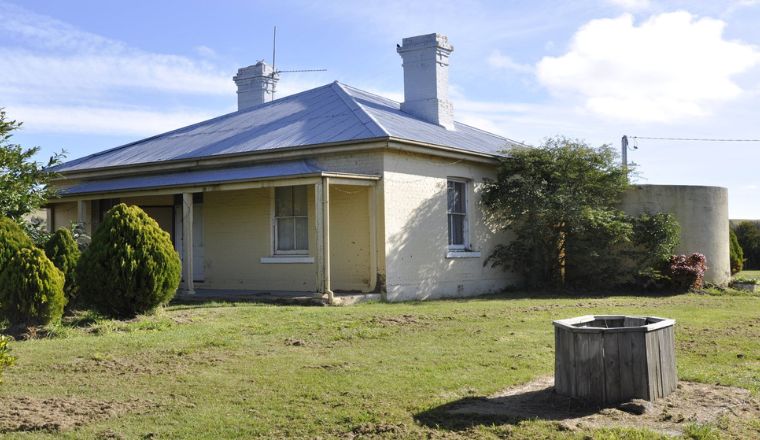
[512,408]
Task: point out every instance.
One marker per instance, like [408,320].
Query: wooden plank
[639,367]
[612,382]
[625,355]
[653,364]
[595,372]
[559,362]
[582,385]
[568,343]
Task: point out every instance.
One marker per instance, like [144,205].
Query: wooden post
[372,237]
[326,239]
[187,242]
[82,215]
[319,236]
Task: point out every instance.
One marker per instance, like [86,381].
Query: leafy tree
[736,252]
[24,183]
[545,196]
[748,235]
[63,251]
[130,267]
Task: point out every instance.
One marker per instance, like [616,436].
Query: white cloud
[670,67]
[632,5]
[501,61]
[103,120]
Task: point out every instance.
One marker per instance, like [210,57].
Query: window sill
[288,260]
[462,254]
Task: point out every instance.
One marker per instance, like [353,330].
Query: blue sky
[88,75]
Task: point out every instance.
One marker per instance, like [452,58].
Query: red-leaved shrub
[687,272]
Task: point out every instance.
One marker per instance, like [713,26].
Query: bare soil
[691,403]
[60,414]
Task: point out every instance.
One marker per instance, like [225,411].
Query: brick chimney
[255,85]
[426,78]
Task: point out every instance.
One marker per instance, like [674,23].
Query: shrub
[130,266]
[6,360]
[687,272]
[64,253]
[12,238]
[31,289]
[736,253]
[748,235]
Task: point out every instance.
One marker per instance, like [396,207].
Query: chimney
[426,78]
[255,85]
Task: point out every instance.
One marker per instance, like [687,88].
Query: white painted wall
[416,231]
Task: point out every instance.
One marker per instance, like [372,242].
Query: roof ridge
[369,121]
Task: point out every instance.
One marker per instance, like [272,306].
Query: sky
[86,75]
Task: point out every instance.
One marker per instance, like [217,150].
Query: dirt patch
[392,321]
[60,414]
[376,430]
[691,403]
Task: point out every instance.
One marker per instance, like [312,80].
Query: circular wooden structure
[612,359]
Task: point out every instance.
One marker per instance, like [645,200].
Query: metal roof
[328,114]
[195,178]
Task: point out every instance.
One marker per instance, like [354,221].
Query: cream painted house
[330,190]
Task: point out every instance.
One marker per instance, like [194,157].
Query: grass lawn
[748,274]
[239,371]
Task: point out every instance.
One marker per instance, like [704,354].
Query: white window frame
[293,252]
[465,246]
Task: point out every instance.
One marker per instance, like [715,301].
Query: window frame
[465,221]
[275,224]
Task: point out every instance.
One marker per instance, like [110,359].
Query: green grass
[241,371]
[748,274]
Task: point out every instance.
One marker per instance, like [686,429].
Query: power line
[693,139]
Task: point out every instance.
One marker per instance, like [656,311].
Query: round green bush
[31,289]
[131,266]
[64,253]
[12,238]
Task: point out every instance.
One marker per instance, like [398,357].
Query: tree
[31,289]
[130,267]
[736,253]
[547,195]
[748,234]
[24,183]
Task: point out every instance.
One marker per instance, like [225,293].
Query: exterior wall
[702,212]
[159,208]
[349,237]
[64,214]
[237,227]
[238,232]
[372,163]
[416,231]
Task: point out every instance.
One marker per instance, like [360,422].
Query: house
[333,189]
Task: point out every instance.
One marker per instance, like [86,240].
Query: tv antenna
[275,73]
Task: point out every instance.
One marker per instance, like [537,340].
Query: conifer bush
[63,251]
[6,360]
[12,238]
[31,289]
[736,253]
[130,267]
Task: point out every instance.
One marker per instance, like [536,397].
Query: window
[457,211]
[291,221]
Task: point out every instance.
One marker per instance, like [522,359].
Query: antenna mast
[276,72]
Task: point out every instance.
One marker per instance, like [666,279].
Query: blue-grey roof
[331,113]
[195,178]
